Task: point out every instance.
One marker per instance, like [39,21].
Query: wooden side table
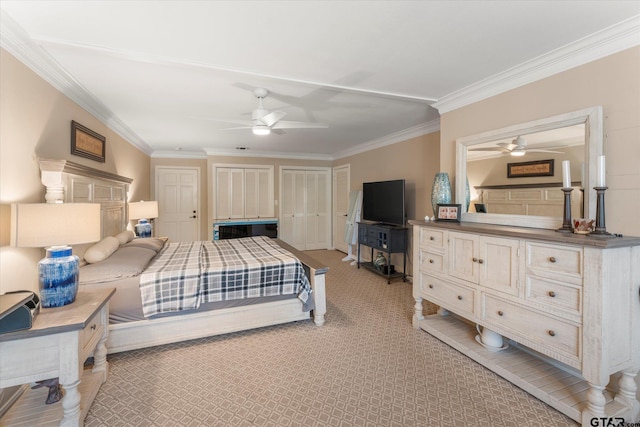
[57,345]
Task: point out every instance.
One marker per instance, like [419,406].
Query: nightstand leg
[100,359]
[71,405]
[100,353]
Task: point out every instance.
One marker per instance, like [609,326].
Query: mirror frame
[590,117]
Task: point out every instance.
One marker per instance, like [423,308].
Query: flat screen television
[383,202]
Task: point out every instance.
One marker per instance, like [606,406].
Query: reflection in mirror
[523,175]
[517,172]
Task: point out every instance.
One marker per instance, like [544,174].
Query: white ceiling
[156,71]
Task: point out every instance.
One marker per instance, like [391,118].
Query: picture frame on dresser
[448,212]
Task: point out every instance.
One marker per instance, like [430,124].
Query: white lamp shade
[142,209]
[38,225]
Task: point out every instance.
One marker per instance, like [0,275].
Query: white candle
[600,179]
[566,174]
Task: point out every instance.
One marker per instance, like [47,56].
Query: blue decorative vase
[143,228]
[58,277]
[441,190]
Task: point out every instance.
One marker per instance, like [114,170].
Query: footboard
[165,330]
[316,273]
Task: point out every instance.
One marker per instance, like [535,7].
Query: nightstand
[57,345]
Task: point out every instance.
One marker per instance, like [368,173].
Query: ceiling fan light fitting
[517,152]
[261,130]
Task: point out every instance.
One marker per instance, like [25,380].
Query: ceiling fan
[264,121]
[517,147]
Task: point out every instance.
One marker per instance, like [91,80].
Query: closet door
[292,219]
[229,193]
[317,210]
[258,193]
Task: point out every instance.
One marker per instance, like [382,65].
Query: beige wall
[35,123]
[611,82]
[415,160]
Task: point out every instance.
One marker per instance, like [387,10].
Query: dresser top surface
[533,234]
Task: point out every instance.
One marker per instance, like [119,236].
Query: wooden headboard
[528,200]
[70,182]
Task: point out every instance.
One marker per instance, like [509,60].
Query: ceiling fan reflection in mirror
[517,147]
[263,121]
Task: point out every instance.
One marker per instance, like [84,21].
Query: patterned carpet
[366,366]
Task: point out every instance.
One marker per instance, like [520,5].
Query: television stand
[387,239]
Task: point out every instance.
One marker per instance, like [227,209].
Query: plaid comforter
[186,275]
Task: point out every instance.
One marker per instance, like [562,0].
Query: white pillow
[125,237]
[101,250]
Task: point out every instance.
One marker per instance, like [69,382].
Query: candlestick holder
[600,228]
[566,220]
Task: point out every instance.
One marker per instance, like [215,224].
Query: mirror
[537,138]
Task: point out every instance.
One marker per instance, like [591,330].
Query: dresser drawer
[554,261]
[452,297]
[432,262]
[556,296]
[548,334]
[430,238]
[91,333]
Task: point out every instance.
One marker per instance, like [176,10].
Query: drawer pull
[93,327]
[552,294]
[552,259]
[551,333]
[460,297]
[432,238]
[500,313]
[480,261]
[430,286]
[430,261]
[475,259]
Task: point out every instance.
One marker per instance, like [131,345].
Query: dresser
[567,305]
[57,346]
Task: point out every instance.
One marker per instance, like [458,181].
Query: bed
[124,263]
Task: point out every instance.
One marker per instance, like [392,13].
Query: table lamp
[54,226]
[143,212]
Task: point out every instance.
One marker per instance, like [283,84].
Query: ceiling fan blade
[535,150]
[272,118]
[299,125]
[236,128]
[490,149]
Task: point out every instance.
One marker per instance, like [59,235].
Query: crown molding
[17,42]
[608,41]
[403,135]
[266,154]
[174,154]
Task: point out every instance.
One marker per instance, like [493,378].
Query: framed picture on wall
[528,169]
[87,143]
[448,212]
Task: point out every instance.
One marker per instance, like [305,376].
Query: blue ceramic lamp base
[58,277]
[143,228]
